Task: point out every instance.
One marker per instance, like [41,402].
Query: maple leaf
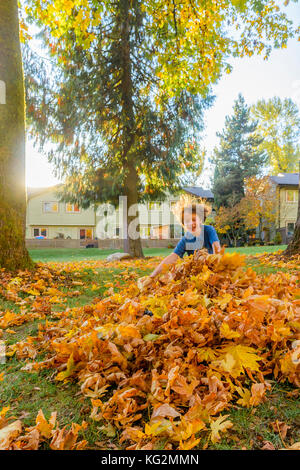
[69,370]
[234,359]
[190,444]
[223,301]
[9,433]
[246,395]
[43,426]
[257,393]
[206,354]
[158,427]
[227,332]
[219,425]
[165,410]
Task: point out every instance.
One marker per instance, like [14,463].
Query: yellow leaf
[235,358]
[219,425]
[226,332]
[69,370]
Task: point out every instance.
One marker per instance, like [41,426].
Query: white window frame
[157,206]
[72,212]
[295,196]
[39,229]
[85,228]
[145,231]
[172,202]
[51,211]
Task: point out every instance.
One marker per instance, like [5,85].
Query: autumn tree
[279,126]
[13,253]
[237,157]
[259,204]
[133,78]
[230,221]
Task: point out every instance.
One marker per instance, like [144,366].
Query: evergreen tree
[238,156]
[13,253]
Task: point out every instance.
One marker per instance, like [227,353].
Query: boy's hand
[143,282]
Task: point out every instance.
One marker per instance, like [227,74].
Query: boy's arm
[216,247]
[170,259]
[144,281]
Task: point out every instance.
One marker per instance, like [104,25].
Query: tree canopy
[279,125]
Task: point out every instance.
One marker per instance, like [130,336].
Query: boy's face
[192,223]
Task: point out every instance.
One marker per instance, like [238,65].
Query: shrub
[277,239]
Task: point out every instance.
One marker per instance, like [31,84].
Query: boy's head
[193,216]
[191,212]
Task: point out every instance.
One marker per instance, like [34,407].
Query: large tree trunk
[13,253]
[132,246]
[293,247]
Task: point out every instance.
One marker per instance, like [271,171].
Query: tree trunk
[13,253]
[133,246]
[293,247]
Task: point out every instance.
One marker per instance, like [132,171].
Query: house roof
[199,192]
[195,190]
[31,192]
[291,179]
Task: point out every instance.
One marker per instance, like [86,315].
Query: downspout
[279,208]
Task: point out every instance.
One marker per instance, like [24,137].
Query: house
[52,219]
[48,217]
[287,190]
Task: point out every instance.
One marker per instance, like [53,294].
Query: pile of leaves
[35,293]
[218,336]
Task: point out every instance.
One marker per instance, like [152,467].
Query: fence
[105,244]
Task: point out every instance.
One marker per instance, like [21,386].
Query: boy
[196,237]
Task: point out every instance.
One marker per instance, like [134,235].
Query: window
[290,226]
[172,204]
[153,206]
[117,232]
[86,233]
[51,206]
[72,207]
[291,195]
[37,232]
[145,232]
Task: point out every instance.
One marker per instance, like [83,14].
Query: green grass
[69,254]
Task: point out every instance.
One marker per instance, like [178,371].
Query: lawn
[70,254]
[84,278]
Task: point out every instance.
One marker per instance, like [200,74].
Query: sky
[254,77]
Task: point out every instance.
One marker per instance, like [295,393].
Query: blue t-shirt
[189,242]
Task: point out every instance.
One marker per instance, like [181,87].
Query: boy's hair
[190,205]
